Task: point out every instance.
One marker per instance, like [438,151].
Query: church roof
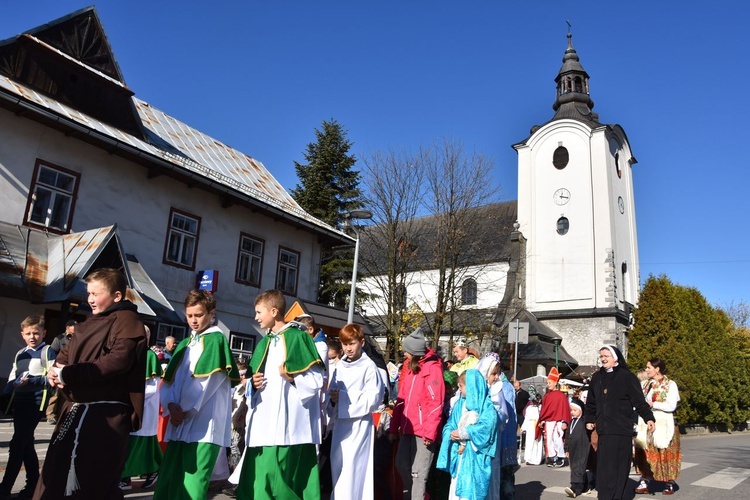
[542,340]
[535,327]
[64,74]
[487,240]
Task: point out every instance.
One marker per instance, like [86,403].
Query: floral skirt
[660,464]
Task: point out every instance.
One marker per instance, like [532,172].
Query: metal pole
[353,291]
[557,346]
[515,357]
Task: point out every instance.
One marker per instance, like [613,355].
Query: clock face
[621,205]
[561,196]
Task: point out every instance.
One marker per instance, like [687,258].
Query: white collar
[29,348]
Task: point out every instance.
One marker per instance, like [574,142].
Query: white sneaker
[570,492]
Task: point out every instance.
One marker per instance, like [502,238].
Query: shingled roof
[487,241]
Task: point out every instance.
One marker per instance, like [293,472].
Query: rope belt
[72,485]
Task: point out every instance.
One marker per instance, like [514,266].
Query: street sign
[518,332]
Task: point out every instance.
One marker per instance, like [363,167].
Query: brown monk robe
[103,382]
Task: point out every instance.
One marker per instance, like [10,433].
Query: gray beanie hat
[414,343]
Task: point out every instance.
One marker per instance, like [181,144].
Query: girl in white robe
[355,391]
[533,447]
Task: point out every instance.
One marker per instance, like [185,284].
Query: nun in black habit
[614,392]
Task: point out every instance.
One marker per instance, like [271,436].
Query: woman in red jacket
[417,415]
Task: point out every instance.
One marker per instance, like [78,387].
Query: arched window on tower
[578,84]
[617,165]
[469,292]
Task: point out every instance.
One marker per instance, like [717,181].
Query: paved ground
[714,466]
[43,434]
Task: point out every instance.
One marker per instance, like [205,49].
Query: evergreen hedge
[705,354]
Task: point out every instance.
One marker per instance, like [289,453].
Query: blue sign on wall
[208,280]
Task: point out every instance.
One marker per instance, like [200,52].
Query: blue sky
[261,76]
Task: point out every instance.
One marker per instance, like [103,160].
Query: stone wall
[582,337]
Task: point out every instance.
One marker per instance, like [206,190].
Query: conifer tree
[328,189]
[702,352]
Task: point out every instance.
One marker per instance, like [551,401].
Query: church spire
[573,100]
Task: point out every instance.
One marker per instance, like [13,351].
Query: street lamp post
[355,214]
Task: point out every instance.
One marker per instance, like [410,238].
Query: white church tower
[576,211]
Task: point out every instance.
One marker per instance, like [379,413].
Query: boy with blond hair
[27,394]
[283,426]
[101,374]
[196,396]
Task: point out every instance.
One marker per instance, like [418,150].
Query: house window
[469,292]
[286,275]
[249,260]
[182,239]
[242,344]
[52,197]
[167,330]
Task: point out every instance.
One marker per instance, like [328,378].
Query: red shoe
[642,488]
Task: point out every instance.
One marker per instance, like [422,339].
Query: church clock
[561,196]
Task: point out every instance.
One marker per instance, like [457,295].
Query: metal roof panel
[186,148]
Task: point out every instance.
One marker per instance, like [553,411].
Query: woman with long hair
[661,459]
[417,414]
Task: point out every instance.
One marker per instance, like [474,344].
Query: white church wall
[559,270]
[421,288]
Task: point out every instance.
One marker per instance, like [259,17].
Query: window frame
[240,251]
[172,327]
[31,199]
[469,286]
[279,265]
[243,336]
[171,228]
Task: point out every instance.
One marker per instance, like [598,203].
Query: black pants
[26,417]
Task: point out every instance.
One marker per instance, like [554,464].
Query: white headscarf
[487,364]
[612,350]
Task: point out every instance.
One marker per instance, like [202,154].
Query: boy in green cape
[283,409]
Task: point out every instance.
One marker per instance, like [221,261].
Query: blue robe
[473,479]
